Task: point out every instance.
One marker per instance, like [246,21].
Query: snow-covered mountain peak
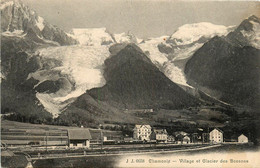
[254,18]
[253,33]
[171,53]
[247,33]
[17,17]
[190,33]
[92,36]
[126,38]
[8,3]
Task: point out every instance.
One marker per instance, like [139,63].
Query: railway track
[128,152]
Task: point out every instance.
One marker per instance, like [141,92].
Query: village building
[186,140]
[242,139]
[79,138]
[159,135]
[205,137]
[142,132]
[170,139]
[216,136]
[179,135]
[195,138]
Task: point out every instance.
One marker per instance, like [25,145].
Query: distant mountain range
[47,72]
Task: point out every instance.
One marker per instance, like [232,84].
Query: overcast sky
[142,17]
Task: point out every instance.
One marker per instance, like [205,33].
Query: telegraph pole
[46,142]
[101,138]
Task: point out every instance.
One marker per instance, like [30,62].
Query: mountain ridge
[17,16]
[232,68]
[67,69]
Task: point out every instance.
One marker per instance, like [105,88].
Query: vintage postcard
[130,83]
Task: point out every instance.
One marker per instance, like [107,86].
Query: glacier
[82,64]
[92,36]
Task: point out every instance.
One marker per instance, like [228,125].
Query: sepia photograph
[130,83]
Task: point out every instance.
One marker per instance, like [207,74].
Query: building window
[74,144]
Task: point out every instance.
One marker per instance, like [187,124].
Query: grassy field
[17,133]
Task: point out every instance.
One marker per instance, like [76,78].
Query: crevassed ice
[92,36]
[174,73]
[82,64]
[154,54]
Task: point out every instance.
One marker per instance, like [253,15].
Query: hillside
[228,69]
[132,82]
[170,53]
[22,33]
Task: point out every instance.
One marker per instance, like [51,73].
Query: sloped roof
[242,135]
[139,126]
[79,134]
[186,138]
[217,129]
[160,131]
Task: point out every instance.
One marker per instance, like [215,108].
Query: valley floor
[113,157]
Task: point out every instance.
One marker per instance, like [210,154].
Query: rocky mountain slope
[22,33]
[171,53]
[93,71]
[16,17]
[132,82]
[228,67]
